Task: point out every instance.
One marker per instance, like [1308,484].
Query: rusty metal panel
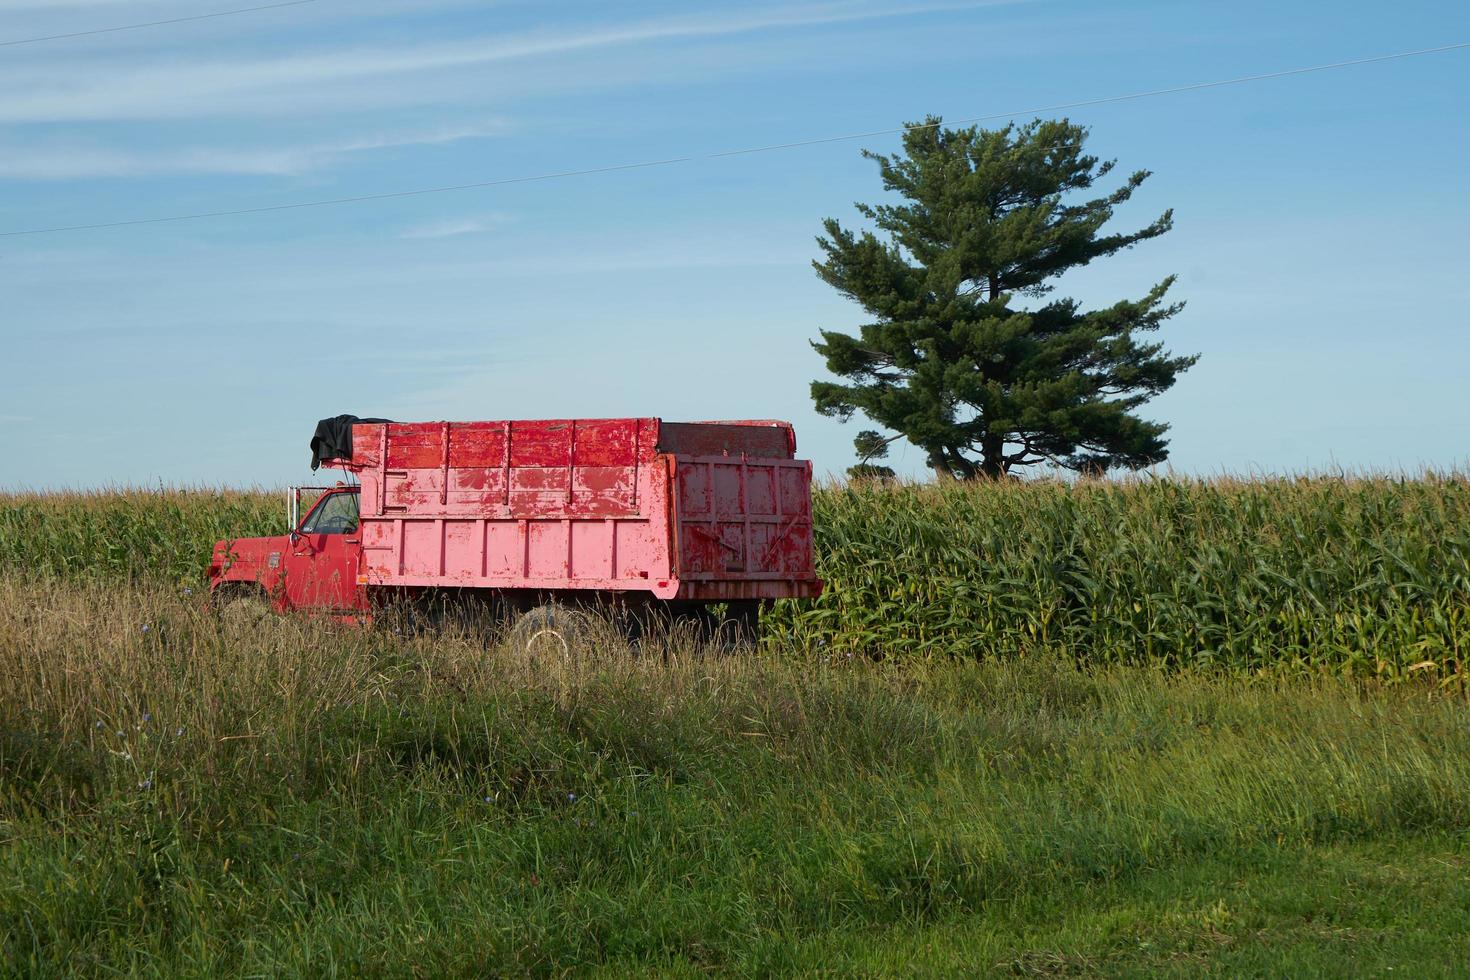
[587,504]
[744,519]
[756,438]
[532,469]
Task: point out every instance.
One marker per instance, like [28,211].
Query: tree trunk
[950,464]
[959,467]
[992,457]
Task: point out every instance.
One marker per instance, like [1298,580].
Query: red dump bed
[686,510]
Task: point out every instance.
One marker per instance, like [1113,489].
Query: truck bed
[693,510]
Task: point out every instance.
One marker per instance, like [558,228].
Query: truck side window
[336,514]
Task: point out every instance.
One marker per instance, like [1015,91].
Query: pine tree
[984,386]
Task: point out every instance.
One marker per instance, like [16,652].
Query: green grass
[278,797]
[1354,909]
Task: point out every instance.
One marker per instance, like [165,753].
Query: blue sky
[1321,223]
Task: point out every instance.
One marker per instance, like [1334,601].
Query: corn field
[1363,576]
[130,535]
[1367,576]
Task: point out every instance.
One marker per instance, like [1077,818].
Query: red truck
[529,516]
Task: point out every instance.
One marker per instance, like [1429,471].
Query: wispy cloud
[29,161]
[454,226]
[18,5]
[55,91]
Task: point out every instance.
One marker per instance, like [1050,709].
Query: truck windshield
[336,514]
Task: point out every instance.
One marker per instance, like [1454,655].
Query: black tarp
[333,438]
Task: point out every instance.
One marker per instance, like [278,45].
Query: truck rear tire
[553,630]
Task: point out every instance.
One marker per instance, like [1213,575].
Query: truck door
[322,560]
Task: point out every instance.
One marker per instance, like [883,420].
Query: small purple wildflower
[188,591]
[147,717]
[572,797]
[487,799]
[146,784]
[146,627]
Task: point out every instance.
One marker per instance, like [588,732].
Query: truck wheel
[552,631]
[241,607]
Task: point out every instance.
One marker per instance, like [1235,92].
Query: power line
[645,164]
[155,23]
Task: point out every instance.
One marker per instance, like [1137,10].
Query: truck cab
[314,566]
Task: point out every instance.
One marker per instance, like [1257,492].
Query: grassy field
[187,794]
